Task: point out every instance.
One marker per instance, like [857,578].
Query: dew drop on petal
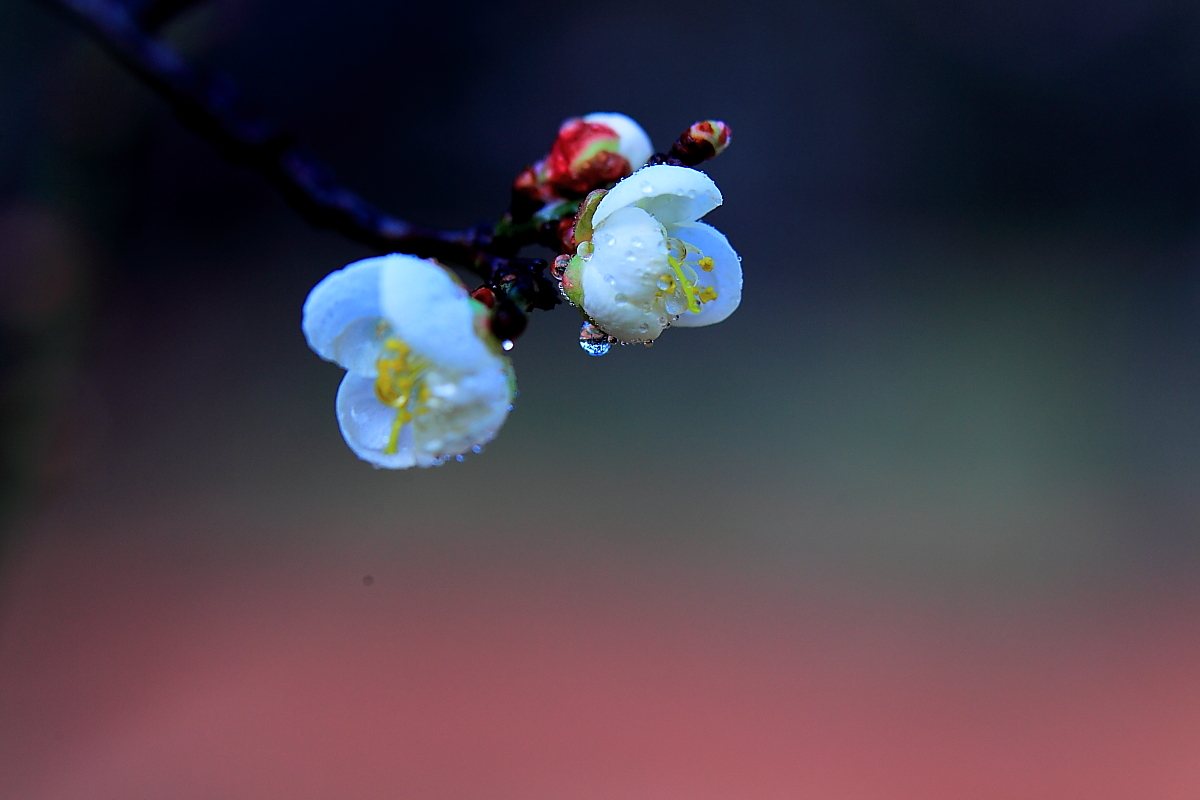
[477,449]
[643,328]
[459,458]
[610,280]
[610,240]
[507,344]
[585,250]
[620,297]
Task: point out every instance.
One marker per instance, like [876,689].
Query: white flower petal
[464,411]
[725,278]
[635,144]
[431,311]
[366,424]
[672,194]
[342,313]
[619,278]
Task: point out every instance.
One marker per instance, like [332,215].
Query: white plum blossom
[425,379]
[644,262]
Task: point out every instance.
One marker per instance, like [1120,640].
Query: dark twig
[153,14]
[211,106]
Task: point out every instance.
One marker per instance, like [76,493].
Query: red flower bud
[583,157]
[702,141]
[589,153]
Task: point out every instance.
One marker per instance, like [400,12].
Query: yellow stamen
[688,289]
[706,264]
[708,294]
[400,386]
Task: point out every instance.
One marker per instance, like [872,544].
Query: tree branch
[211,106]
[153,14]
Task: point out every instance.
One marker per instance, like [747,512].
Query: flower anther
[425,378]
[643,261]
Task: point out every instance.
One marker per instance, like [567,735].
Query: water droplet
[620,297]
[666,283]
[636,242]
[610,240]
[647,188]
[676,249]
[648,344]
[643,328]
[507,344]
[610,280]
[585,250]
[675,304]
[510,406]
[594,341]
[477,449]
[592,349]
[460,458]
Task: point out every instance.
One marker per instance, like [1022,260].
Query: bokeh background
[919,521]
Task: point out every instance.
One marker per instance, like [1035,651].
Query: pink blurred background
[919,521]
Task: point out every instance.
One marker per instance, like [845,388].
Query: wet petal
[461,412]
[366,424]
[619,278]
[465,411]
[431,311]
[672,194]
[725,277]
[342,313]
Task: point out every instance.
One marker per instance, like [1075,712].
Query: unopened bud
[584,155]
[590,152]
[704,140]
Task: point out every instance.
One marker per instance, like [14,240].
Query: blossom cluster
[427,379]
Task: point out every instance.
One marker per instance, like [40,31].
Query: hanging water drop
[594,341]
[460,458]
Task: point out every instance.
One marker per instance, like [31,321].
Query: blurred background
[919,521]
